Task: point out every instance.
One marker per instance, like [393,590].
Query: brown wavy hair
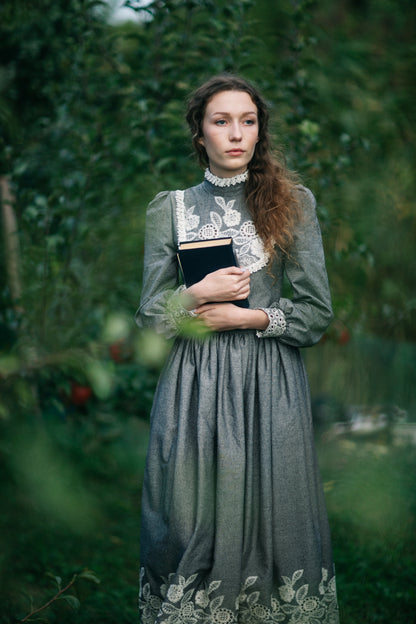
[271,187]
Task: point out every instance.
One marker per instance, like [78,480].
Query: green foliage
[101,112]
[62,594]
[100,478]
[91,127]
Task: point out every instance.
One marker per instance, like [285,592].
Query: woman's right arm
[164,304]
[160,273]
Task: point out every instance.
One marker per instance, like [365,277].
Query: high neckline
[225,182]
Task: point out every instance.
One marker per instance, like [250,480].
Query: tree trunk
[11,240]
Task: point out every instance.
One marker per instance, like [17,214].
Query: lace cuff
[277,323]
[175,311]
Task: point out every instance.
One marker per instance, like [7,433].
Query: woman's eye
[220,122]
[249,122]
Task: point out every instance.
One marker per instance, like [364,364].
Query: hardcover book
[198,258]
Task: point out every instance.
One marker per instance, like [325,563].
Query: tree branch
[47,604]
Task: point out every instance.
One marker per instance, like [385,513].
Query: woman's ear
[201,141]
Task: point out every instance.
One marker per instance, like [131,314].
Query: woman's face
[230,132]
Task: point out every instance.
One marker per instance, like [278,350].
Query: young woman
[234,526]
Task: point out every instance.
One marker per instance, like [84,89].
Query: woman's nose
[235,132]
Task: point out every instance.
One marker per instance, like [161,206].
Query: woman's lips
[235,152]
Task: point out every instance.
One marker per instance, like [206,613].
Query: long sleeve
[302,320]
[158,306]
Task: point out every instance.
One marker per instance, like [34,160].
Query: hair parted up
[271,187]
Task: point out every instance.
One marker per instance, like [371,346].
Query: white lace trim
[176,313]
[248,245]
[183,601]
[277,323]
[180,215]
[224,182]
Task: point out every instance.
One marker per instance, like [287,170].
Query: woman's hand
[229,284]
[227,316]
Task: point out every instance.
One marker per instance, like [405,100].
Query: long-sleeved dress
[234,524]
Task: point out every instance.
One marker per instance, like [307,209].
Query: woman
[234,526]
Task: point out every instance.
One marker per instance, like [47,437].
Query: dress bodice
[208,211]
[211,211]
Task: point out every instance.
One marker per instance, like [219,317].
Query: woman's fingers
[244,292]
[240,278]
[225,284]
[236,273]
[232,271]
[220,316]
[243,287]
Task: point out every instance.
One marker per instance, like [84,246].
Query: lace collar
[224,182]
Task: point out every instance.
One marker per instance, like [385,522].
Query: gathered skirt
[234,524]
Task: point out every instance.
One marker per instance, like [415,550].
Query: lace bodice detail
[208,211]
[223,222]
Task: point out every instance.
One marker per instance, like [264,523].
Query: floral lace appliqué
[231,217]
[181,601]
[248,245]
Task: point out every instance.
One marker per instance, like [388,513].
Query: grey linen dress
[234,524]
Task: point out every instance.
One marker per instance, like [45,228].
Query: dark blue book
[198,258]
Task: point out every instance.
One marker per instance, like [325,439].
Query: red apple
[80,394]
[344,337]
[116,351]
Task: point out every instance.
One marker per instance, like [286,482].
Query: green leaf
[57,579]
[89,575]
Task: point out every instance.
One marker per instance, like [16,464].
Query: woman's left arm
[227,316]
[301,320]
